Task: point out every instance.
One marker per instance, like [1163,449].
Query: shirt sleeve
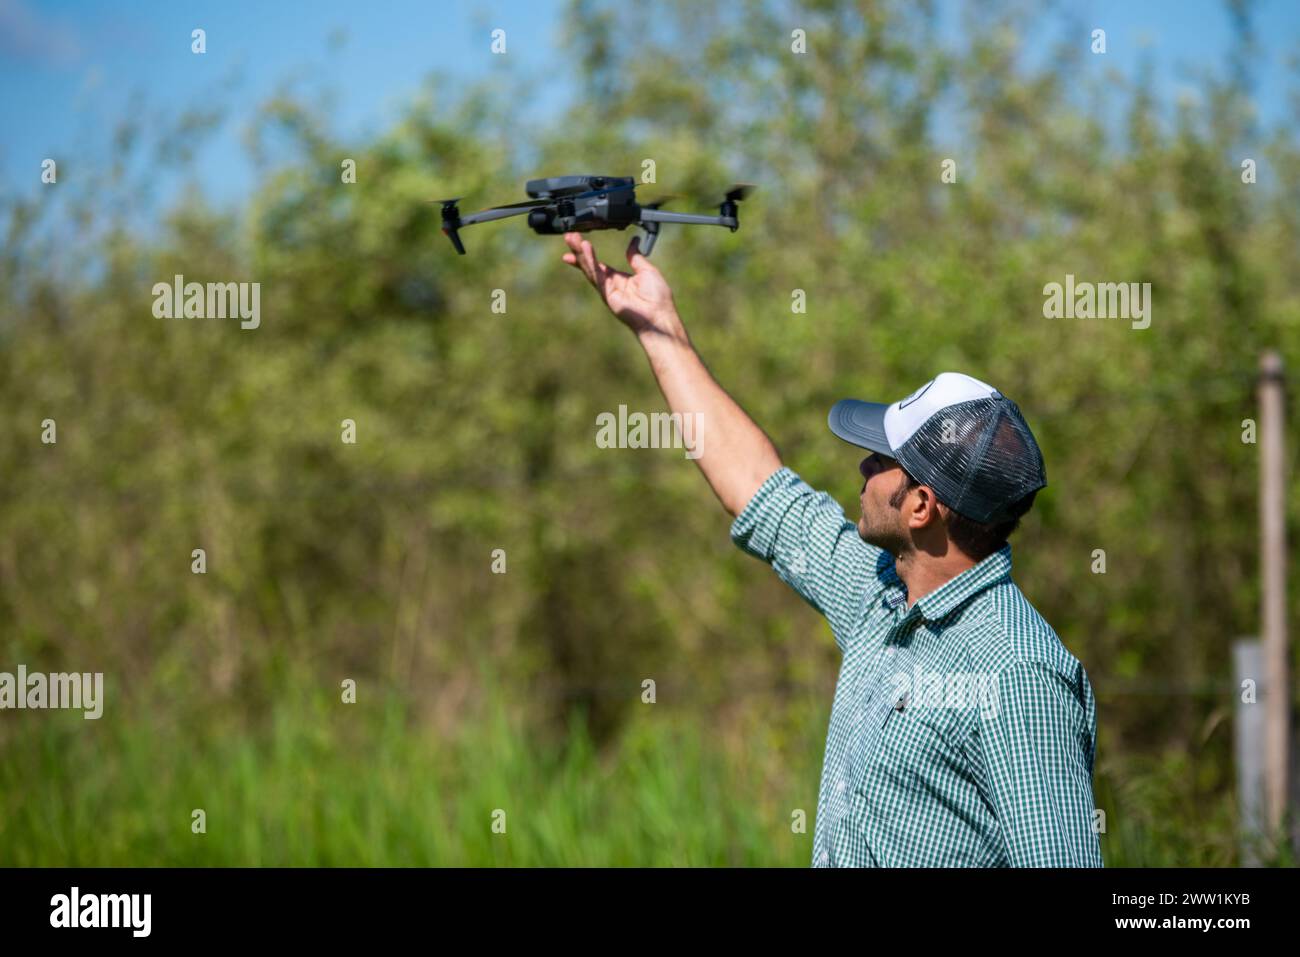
[813,548]
[1037,747]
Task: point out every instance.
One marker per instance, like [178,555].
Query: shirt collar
[960,589]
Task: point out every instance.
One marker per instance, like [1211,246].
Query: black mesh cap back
[978,456]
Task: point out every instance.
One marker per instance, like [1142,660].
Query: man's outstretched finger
[635,258]
[589,257]
[581,256]
[574,256]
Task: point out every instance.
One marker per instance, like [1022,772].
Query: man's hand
[641,298]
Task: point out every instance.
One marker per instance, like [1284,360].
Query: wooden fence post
[1276,691]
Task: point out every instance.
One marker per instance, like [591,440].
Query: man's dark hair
[979,540]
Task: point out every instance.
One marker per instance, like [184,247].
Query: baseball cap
[956,434]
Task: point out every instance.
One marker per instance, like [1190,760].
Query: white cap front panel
[905,416]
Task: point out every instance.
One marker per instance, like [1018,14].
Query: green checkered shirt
[962,732]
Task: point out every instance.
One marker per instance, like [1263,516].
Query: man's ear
[926,509]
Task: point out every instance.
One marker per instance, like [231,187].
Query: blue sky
[69,70]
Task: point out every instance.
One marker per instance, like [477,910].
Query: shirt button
[825,858]
[841,787]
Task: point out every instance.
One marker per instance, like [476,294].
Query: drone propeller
[734,195]
[451,221]
[661,200]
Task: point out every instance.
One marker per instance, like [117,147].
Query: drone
[562,204]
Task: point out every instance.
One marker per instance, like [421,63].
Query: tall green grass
[320,783]
[332,784]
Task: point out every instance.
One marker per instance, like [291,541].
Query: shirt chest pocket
[908,750]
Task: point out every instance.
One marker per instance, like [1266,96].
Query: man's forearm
[734,454]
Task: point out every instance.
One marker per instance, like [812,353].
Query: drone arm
[452,220]
[488,215]
[689,219]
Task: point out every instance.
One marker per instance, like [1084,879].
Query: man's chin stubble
[880,541]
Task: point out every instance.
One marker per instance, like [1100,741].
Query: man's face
[881,523]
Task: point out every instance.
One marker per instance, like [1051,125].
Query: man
[962,732]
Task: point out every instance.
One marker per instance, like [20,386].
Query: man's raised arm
[735,455]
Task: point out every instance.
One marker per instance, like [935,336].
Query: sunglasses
[875,463]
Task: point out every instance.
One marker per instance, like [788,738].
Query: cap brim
[861,424]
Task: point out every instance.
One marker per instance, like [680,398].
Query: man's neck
[923,572]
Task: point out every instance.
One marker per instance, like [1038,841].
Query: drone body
[562,204]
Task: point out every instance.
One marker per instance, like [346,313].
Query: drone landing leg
[651,234]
